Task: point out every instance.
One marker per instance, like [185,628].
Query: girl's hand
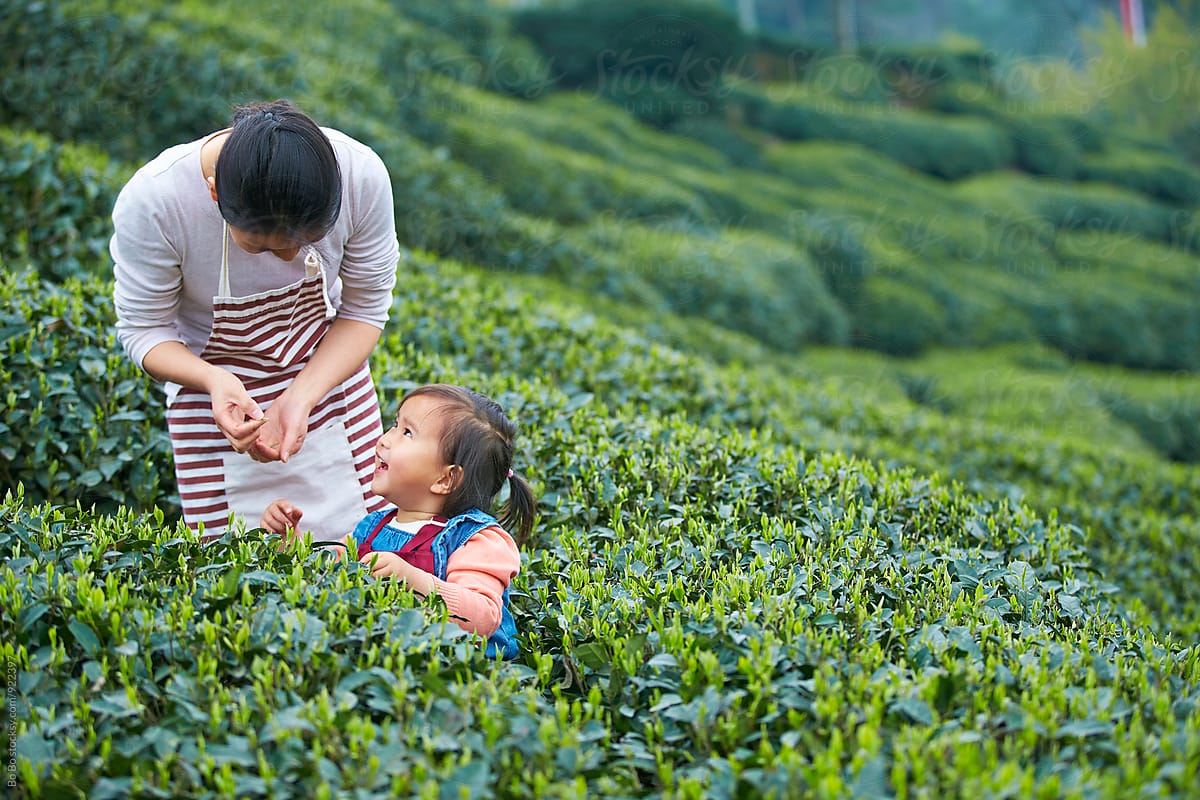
[281,517]
[391,565]
[385,565]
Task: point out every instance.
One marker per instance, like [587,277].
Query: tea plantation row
[1140,513]
[711,606]
[1053,445]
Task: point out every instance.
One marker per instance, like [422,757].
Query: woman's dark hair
[277,174]
[478,437]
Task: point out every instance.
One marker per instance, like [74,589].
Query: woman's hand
[283,436]
[236,414]
[342,350]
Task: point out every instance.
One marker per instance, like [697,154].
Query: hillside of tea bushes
[720,600]
[767,564]
[893,200]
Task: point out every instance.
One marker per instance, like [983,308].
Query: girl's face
[408,458]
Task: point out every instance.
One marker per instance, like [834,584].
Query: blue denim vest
[453,536]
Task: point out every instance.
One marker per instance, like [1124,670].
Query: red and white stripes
[266,340]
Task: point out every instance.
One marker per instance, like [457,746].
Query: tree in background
[1157,87]
[845,15]
[664,62]
[1048,28]
[1153,89]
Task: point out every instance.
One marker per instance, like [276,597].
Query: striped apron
[266,339]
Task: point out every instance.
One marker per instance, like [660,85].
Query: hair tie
[510,474]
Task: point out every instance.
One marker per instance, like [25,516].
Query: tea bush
[646,161]
[911,77]
[846,165]
[739,144]
[927,66]
[661,61]
[477,47]
[831,78]
[1157,175]
[441,205]
[547,180]
[898,318]
[83,72]
[753,284]
[1043,146]
[945,146]
[79,423]
[1154,282]
[713,600]
[1025,423]
[57,198]
[1088,207]
[1045,142]
[576,121]
[1020,387]
[1171,428]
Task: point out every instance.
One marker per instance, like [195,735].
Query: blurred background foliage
[948,192]
[951,193]
[889,197]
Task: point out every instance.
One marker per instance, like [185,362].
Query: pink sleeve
[476,576]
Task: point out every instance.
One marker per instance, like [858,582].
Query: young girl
[440,467]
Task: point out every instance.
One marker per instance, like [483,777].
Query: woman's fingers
[272,521]
[242,436]
[271,448]
[292,442]
[259,453]
[265,451]
[287,434]
[234,411]
[243,432]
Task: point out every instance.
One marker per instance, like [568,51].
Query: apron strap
[223,285]
[365,546]
[313,263]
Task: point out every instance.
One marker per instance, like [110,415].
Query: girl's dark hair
[277,173]
[478,437]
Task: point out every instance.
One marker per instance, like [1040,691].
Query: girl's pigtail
[517,513]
